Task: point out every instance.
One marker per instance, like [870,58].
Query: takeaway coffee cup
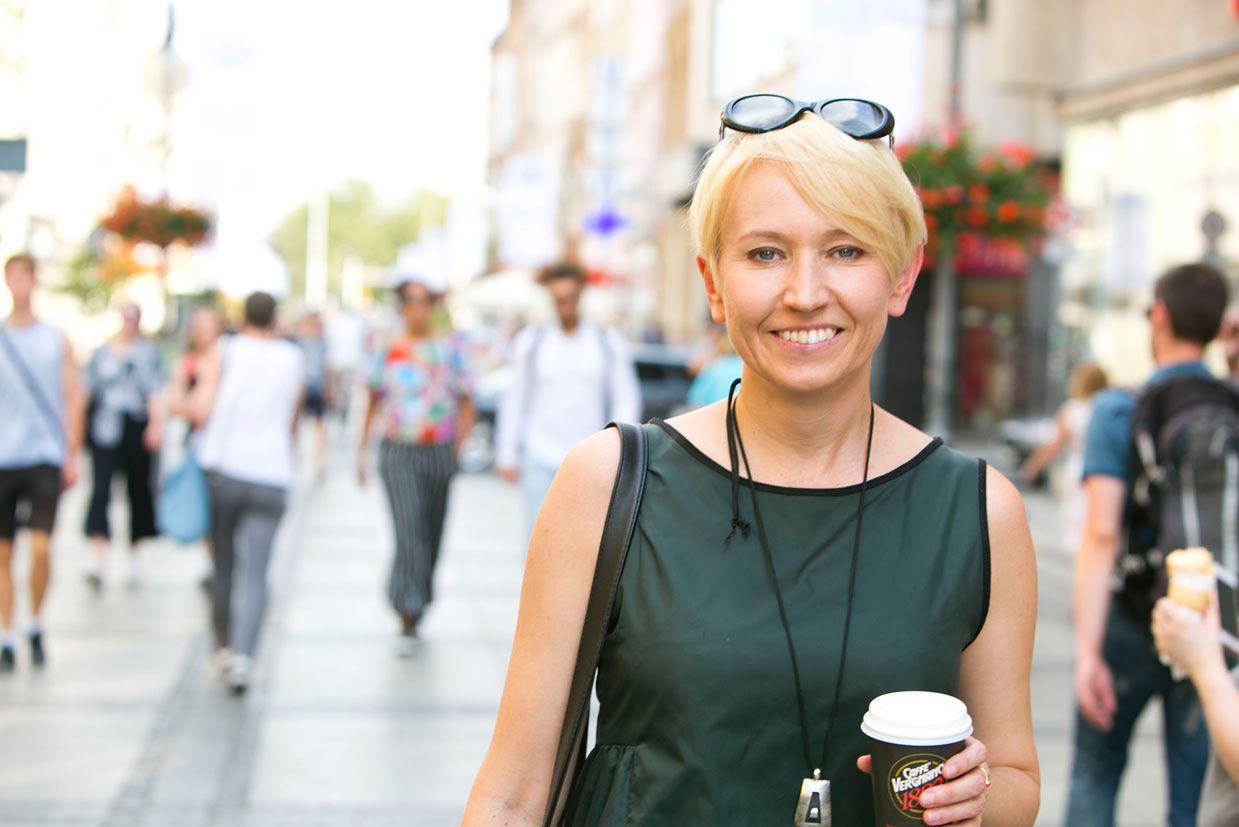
[911,735]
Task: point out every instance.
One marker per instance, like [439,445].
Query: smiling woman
[777,577]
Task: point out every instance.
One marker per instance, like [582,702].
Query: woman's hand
[961,800]
[1192,642]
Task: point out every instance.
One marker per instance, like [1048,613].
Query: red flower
[931,198]
[978,193]
[976,216]
[1008,212]
[954,194]
[987,163]
[1016,153]
[931,223]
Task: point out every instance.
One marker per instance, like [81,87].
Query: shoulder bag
[612,552]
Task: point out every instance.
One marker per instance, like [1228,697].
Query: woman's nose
[805,289]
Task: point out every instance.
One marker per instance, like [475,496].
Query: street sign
[13,155]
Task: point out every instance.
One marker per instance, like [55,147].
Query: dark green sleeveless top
[697,716]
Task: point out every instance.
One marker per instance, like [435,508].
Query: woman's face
[805,304]
[417,307]
[204,329]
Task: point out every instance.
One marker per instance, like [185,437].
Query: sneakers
[37,656]
[219,662]
[238,677]
[408,646]
[7,662]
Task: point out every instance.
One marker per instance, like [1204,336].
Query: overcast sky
[313,93]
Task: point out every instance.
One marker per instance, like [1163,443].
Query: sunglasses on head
[765,112]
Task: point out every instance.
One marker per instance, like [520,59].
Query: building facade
[604,106]
[1151,163]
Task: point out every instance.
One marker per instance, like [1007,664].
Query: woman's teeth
[809,337]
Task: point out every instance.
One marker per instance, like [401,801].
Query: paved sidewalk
[127,726]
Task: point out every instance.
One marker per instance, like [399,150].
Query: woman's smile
[808,339]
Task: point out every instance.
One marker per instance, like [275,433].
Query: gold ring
[985,771]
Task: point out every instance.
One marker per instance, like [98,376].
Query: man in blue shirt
[1117,671]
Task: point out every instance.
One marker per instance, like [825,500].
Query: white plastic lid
[917,719]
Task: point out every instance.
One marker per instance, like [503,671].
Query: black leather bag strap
[612,551]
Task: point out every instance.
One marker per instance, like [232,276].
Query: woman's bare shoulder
[587,474]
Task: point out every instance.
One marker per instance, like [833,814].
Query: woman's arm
[994,683]
[1194,644]
[513,783]
[467,415]
[178,390]
[202,399]
[373,400]
[1046,452]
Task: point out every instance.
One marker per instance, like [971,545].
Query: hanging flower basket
[156,221]
[993,199]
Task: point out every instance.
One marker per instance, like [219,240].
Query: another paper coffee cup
[911,735]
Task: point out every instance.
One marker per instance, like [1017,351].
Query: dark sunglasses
[765,112]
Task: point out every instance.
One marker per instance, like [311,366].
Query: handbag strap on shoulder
[612,552]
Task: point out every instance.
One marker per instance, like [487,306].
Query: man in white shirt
[571,379]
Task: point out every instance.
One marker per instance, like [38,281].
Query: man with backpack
[40,429]
[1161,471]
[571,379]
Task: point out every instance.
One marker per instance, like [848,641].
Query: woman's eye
[849,253]
[765,254]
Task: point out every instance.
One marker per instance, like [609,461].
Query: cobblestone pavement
[128,728]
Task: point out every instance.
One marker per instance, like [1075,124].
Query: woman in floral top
[420,386]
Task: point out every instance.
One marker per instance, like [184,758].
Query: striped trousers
[416,478]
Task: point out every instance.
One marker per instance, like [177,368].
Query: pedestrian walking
[1117,669]
[41,414]
[569,379]
[248,396]
[757,614]
[1070,425]
[124,384]
[420,387]
[314,347]
[715,374]
[205,329]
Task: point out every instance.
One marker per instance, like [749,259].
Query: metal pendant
[814,806]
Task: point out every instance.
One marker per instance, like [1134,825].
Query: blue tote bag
[184,510]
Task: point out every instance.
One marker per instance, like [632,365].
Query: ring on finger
[985,771]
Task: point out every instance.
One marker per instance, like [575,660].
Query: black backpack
[1185,489]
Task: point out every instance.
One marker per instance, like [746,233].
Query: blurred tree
[358,225]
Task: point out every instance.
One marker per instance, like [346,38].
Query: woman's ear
[897,305]
[713,297]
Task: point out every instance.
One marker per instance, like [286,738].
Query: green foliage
[357,225]
[93,276]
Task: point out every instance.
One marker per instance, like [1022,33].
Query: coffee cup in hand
[911,735]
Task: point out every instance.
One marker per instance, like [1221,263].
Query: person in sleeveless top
[205,328]
[808,240]
[1071,424]
[40,431]
[247,398]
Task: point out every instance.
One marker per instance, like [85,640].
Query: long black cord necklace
[813,806]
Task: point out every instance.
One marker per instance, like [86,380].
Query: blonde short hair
[859,184]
